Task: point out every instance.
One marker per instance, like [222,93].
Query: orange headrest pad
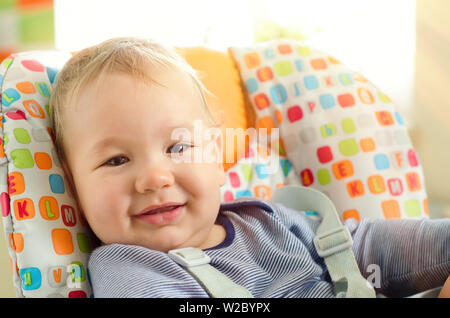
[219,75]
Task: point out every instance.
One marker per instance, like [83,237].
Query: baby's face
[120,149]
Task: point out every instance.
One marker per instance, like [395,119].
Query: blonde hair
[131,56]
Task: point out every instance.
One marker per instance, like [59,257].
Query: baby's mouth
[162,210]
[161,214]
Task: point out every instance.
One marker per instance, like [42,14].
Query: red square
[324,154]
[294,113]
[234,179]
[346,100]
[77,294]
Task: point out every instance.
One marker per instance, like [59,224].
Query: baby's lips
[156,208]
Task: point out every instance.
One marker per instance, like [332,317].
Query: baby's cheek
[100,202]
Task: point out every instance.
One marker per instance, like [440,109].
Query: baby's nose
[153,179]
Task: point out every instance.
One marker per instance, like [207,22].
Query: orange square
[367,144]
[351,214]
[278,116]
[261,101]
[33,4]
[332,60]
[318,64]
[425,206]
[2,150]
[355,188]
[342,169]
[62,241]
[48,207]
[413,181]
[264,74]
[284,49]
[376,184]
[43,160]
[252,60]
[16,242]
[385,118]
[24,209]
[262,191]
[265,122]
[391,209]
[16,183]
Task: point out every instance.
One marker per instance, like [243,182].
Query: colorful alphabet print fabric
[264,168]
[342,135]
[49,241]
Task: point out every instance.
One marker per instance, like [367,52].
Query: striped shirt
[269,250]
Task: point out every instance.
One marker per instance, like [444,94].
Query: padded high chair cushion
[342,135]
[49,241]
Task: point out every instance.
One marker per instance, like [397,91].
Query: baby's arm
[445,291]
[411,255]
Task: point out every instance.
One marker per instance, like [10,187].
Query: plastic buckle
[335,249]
[189,256]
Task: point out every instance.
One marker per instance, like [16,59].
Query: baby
[115,107]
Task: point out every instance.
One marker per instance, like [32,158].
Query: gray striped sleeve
[411,255]
[122,271]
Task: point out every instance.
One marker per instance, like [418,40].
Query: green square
[83,243]
[6,4]
[22,135]
[37,26]
[303,50]
[348,147]
[328,130]
[247,172]
[412,208]
[283,68]
[348,125]
[77,272]
[22,158]
[324,177]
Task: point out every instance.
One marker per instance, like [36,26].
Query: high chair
[339,135]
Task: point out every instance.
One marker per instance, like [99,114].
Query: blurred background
[402,46]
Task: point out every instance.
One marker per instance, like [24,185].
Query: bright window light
[373,37]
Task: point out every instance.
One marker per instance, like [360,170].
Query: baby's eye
[179,148]
[116,161]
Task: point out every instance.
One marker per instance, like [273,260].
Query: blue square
[244,193]
[327,101]
[9,96]
[381,161]
[345,79]
[56,183]
[299,65]
[261,171]
[31,278]
[278,94]
[252,85]
[269,54]
[399,119]
[311,82]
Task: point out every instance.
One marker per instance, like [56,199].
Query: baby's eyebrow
[104,143]
[101,144]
